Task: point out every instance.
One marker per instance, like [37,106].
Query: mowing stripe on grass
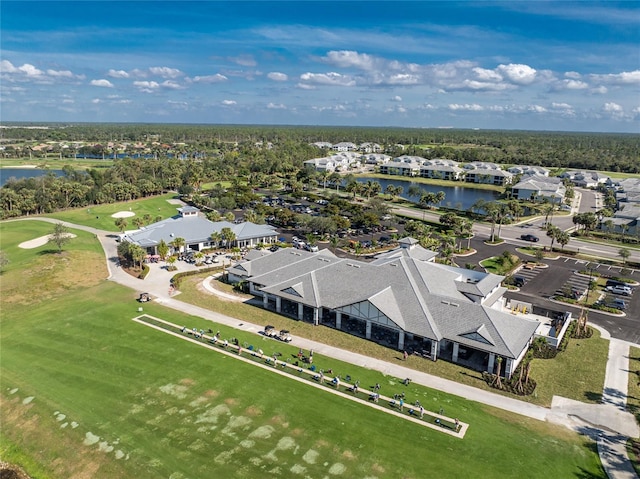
[432,420]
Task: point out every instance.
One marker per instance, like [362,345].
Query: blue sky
[572,66]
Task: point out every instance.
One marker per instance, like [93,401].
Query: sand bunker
[123,214]
[43,240]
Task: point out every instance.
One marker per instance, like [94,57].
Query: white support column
[508,364]
[456,346]
[492,363]
[300,311]
[401,341]
[367,334]
[434,350]
[338,320]
[265,300]
[278,304]
[316,316]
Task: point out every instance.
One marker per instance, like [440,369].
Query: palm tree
[562,237]
[552,232]
[198,257]
[624,253]
[138,222]
[137,254]
[498,379]
[121,223]
[547,209]
[335,179]
[414,191]
[215,238]
[439,197]
[493,215]
[214,215]
[228,237]
[178,244]
[171,260]
[334,241]
[163,249]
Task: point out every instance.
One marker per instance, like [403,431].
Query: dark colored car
[615,282]
[529,237]
[518,281]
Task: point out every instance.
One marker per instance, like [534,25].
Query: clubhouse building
[403,300]
[196,230]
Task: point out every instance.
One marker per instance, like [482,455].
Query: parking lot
[542,284]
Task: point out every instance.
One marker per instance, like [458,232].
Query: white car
[623,290]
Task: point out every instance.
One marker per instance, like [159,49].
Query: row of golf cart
[282,335]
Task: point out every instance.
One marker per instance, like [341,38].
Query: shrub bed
[177,279]
[515,385]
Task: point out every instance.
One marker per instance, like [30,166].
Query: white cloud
[330,78]
[487,75]
[229,102]
[276,106]
[537,108]
[166,72]
[518,73]
[60,73]
[465,107]
[102,83]
[403,79]
[7,67]
[623,78]
[574,84]
[562,106]
[244,60]
[96,101]
[305,86]
[349,58]
[117,73]
[612,107]
[613,110]
[217,78]
[277,76]
[600,90]
[147,86]
[574,75]
[137,73]
[171,85]
[397,98]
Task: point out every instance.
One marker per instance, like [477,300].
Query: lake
[457,197]
[20,173]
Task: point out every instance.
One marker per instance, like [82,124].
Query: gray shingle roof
[425,299]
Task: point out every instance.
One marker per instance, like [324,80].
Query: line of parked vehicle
[616,287]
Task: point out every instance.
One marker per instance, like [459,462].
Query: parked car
[615,282]
[623,290]
[519,281]
[530,237]
[617,303]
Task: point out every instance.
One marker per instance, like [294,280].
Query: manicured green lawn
[172,407]
[99,216]
[87,392]
[577,373]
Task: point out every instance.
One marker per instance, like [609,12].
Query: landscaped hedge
[542,350]
[145,271]
[177,279]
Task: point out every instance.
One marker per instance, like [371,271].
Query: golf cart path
[608,423]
